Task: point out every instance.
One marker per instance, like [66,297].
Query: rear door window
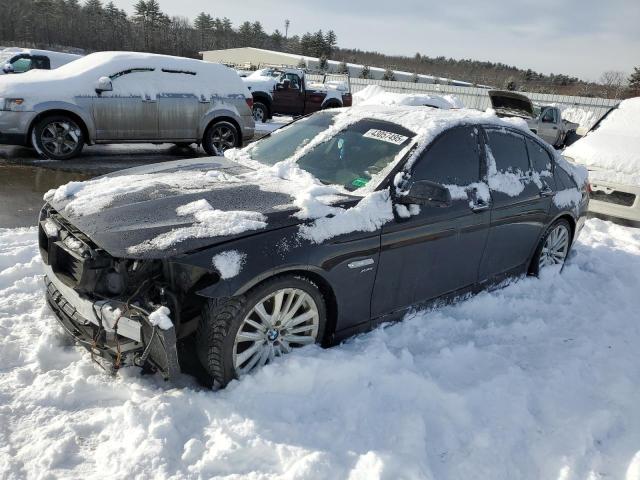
[540,158]
[509,151]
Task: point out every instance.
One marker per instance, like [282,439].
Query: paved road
[24,178]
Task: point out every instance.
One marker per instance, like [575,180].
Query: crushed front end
[104,302]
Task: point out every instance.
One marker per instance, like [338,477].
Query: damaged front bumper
[114,340]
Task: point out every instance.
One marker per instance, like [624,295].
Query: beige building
[251,58]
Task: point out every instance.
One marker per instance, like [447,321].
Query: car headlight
[12,104]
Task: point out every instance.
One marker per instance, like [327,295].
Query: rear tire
[58,137]
[233,339]
[260,112]
[220,136]
[553,248]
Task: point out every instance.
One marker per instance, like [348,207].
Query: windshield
[350,158]
[5,57]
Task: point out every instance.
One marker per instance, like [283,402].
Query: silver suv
[125,97]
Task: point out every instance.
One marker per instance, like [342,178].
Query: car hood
[511,104]
[146,209]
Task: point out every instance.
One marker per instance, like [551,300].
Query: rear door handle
[479,207]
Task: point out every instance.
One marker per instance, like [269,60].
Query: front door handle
[546,192]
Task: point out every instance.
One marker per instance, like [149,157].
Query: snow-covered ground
[539,380]
[263,128]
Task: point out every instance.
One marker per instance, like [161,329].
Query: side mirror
[7,68]
[104,85]
[424,192]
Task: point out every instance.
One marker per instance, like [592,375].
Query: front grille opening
[616,197]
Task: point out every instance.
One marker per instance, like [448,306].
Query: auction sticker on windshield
[385,136]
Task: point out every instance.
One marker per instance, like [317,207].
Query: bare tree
[614,81]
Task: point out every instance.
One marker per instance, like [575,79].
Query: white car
[20,60]
[611,152]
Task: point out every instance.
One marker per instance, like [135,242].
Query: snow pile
[160,318]
[79,78]
[613,149]
[229,263]
[209,222]
[585,118]
[376,95]
[536,380]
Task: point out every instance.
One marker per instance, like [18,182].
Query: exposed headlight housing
[12,104]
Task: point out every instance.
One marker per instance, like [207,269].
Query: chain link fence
[582,110]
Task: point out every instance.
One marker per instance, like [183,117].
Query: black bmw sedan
[325,228]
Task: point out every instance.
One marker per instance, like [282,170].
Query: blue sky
[582,38]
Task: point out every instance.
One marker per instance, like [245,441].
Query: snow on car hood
[149,211]
[612,150]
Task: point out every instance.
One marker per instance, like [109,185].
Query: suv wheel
[58,137]
[553,247]
[220,136]
[260,112]
[244,333]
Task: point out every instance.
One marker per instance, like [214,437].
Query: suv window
[453,159]
[540,159]
[508,150]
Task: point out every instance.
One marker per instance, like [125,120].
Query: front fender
[84,112]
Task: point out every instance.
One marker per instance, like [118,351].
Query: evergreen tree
[389,75]
[323,64]
[634,82]
[365,73]
[302,63]
[415,78]
[204,25]
[343,68]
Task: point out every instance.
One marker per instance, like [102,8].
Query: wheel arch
[82,123]
[225,118]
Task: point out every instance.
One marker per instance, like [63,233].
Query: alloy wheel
[60,138]
[223,137]
[285,319]
[555,248]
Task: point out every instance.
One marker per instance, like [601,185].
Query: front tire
[553,247]
[220,136]
[242,334]
[58,137]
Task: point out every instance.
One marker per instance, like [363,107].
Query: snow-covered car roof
[57,59]
[376,95]
[79,77]
[612,148]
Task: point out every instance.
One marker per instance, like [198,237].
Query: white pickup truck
[545,121]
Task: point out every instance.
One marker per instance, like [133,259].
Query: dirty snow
[536,380]
[613,149]
[229,263]
[160,317]
[208,222]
